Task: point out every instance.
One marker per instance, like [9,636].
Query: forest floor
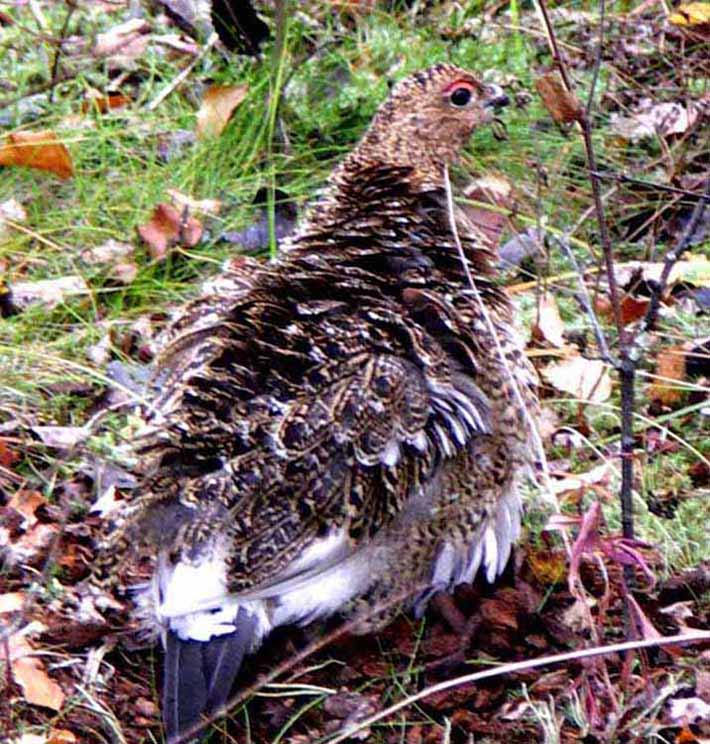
[139,154]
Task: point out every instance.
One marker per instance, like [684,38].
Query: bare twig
[673,256]
[626,366]
[71,7]
[586,302]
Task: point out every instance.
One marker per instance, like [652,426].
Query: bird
[344,429]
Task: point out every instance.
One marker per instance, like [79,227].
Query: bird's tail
[199,677]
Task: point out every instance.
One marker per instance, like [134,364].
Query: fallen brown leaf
[217,107]
[40,150]
[26,503]
[670,364]
[101,104]
[585,379]
[563,106]
[166,228]
[549,326]
[37,686]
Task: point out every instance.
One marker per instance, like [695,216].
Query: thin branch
[586,302]
[622,178]
[71,7]
[626,365]
[672,257]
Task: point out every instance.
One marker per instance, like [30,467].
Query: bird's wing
[301,411]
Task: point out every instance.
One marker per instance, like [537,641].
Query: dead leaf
[217,107]
[107,252]
[127,38]
[61,437]
[8,457]
[167,228]
[11,602]
[563,106]
[549,326]
[691,14]
[181,201]
[598,476]
[547,566]
[41,150]
[587,380]
[693,269]
[47,292]
[124,273]
[497,192]
[37,686]
[11,211]
[102,104]
[520,247]
[26,503]
[651,119]
[670,364]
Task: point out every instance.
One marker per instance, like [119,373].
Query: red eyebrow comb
[460,84]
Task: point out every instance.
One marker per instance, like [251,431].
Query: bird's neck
[426,169]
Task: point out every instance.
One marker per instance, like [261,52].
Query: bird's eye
[460,96]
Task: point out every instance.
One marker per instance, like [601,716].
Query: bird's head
[427,119]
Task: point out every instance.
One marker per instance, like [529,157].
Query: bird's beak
[495,98]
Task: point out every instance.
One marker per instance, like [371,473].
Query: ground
[160,153]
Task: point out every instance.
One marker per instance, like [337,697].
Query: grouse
[343,429]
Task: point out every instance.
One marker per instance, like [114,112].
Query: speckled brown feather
[304,398]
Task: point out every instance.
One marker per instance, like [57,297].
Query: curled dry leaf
[26,503]
[563,106]
[167,227]
[587,380]
[40,150]
[497,192]
[217,107]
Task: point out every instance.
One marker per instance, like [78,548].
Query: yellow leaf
[691,14]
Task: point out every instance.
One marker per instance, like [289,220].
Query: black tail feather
[199,676]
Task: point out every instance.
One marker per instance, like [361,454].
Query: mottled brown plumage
[338,427]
